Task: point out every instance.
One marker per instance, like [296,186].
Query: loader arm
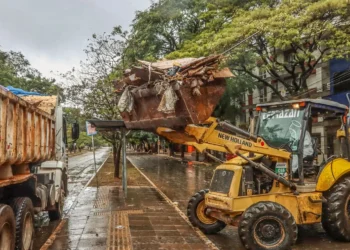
[203,138]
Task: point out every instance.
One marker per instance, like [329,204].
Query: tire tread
[191,214]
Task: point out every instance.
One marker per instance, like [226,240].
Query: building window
[263,94]
[263,73]
[288,56]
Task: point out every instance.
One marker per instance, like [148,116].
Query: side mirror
[75,131]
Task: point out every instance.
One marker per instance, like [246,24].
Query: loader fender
[331,173]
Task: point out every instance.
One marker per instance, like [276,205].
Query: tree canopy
[305,32]
[16,71]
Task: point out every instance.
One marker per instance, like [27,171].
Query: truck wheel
[57,213]
[7,228]
[336,211]
[24,213]
[267,225]
[196,214]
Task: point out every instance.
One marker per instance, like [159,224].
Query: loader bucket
[196,88]
[189,109]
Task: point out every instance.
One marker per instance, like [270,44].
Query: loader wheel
[267,225]
[58,212]
[196,214]
[336,211]
[7,228]
[24,213]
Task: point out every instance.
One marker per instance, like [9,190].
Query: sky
[53,33]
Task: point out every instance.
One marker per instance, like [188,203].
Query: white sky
[53,33]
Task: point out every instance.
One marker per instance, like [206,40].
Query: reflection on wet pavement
[104,219]
[179,181]
[80,170]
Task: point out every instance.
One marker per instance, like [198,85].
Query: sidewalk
[145,220]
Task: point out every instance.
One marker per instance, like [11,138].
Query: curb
[200,233]
[97,170]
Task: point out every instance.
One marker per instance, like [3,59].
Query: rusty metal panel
[189,108]
[26,133]
[197,86]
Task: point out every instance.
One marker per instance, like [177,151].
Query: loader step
[306,188]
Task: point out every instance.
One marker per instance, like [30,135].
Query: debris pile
[171,93]
[45,103]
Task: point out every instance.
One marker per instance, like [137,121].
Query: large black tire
[267,225]
[24,213]
[58,212]
[336,211]
[7,228]
[198,218]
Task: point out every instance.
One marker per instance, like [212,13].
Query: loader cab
[290,125]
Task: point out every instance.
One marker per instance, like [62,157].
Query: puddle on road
[178,180]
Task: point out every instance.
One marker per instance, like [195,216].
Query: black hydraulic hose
[213,157]
[233,129]
[269,172]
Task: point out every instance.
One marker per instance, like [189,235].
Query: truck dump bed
[171,94]
[27,130]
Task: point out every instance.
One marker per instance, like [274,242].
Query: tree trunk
[116,158]
[171,149]
[183,148]
[197,155]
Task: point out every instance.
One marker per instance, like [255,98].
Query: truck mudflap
[167,94]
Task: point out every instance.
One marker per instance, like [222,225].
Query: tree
[168,24]
[232,101]
[15,70]
[163,27]
[92,89]
[143,140]
[305,32]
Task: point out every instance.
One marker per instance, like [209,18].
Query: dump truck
[33,164]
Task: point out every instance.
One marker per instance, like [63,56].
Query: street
[80,171]
[179,181]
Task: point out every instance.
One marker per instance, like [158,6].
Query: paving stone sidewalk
[104,219]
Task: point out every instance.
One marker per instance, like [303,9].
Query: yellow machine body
[306,207]
[331,173]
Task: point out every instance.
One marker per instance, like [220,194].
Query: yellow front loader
[264,191]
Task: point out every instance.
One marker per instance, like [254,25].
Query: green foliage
[308,31]
[75,115]
[232,101]
[15,71]
[143,139]
[167,25]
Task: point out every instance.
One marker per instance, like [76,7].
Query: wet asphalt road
[80,170]
[179,181]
